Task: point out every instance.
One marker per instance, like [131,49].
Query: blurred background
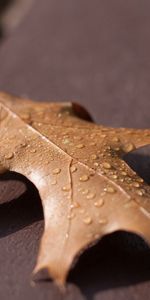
[97,53]
[94,52]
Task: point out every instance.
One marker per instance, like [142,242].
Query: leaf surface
[86,188]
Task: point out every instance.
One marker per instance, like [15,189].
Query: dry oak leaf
[86,188]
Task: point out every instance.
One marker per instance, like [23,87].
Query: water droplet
[121,179]
[71,215]
[80,146]
[96,164]
[9,155]
[136,184]
[140,180]
[124,173]
[25,116]
[38,124]
[32,150]
[99,203]
[93,156]
[66,141]
[65,135]
[128,179]
[84,178]
[139,192]
[54,182]
[106,165]
[59,115]
[73,169]
[128,147]
[23,144]
[116,148]
[115,139]
[66,188]
[67,235]
[85,192]
[75,205]
[108,148]
[87,220]
[91,172]
[110,189]
[103,172]
[91,196]
[56,171]
[71,153]
[103,221]
[114,176]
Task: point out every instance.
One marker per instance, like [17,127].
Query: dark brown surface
[96,52]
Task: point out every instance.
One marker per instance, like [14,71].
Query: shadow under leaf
[119,259]
[139,161]
[20,203]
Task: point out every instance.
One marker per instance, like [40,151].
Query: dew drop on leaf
[139,192]
[106,165]
[87,220]
[93,156]
[56,171]
[99,203]
[114,176]
[123,173]
[85,191]
[66,188]
[91,196]
[84,178]
[110,189]
[54,182]
[102,221]
[73,169]
[80,146]
[75,205]
[9,155]
[128,147]
[71,215]
[136,184]
[115,139]
[32,150]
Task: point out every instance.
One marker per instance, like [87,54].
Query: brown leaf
[87,190]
